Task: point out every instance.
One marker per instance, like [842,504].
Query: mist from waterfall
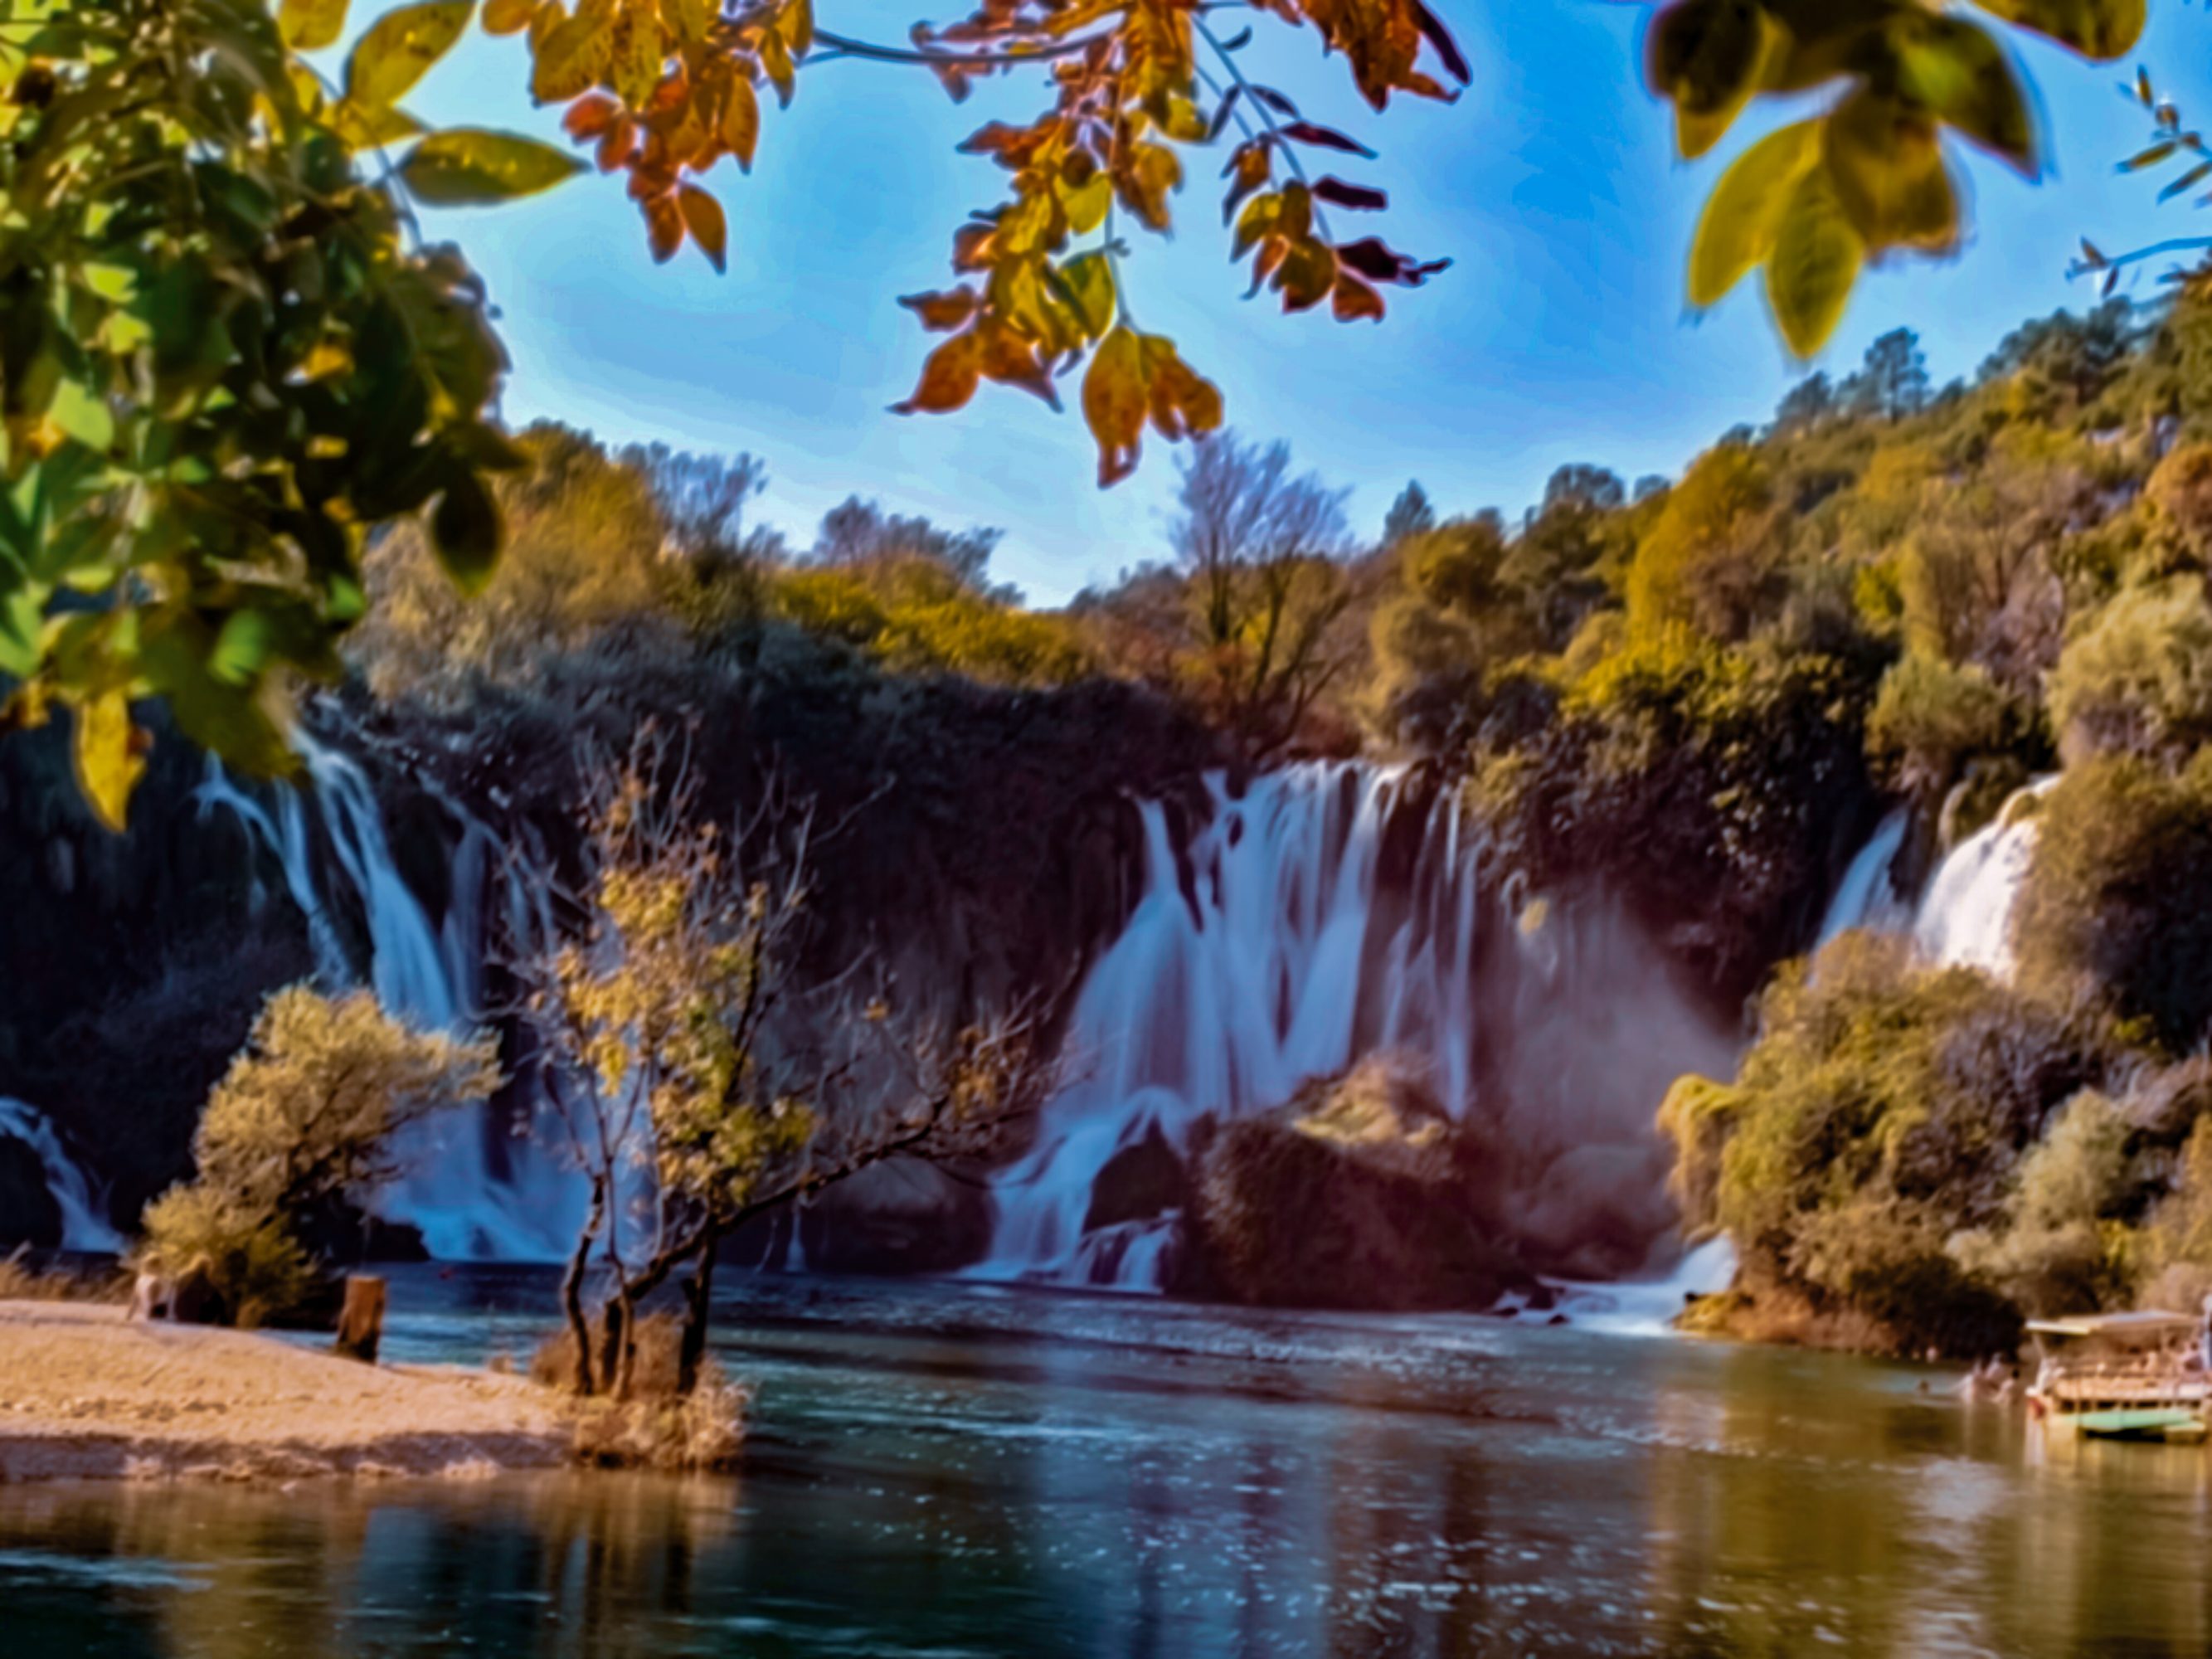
[1274,947]
[84,1216]
[475,1190]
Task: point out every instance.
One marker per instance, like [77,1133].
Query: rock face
[28,1214]
[1358,1193]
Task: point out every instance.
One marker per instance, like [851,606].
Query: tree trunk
[698,1298]
[617,1342]
[361,1321]
[571,1289]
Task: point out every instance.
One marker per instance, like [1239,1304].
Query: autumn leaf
[1115,402]
[664,226]
[741,121]
[110,757]
[508,17]
[1353,299]
[401,45]
[940,312]
[703,214]
[949,377]
[1737,228]
[1814,262]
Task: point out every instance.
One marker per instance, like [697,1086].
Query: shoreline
[87,1395]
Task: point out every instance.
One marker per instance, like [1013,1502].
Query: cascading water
[1222,998]
[476,1193]
[84,1221]
[1964,919]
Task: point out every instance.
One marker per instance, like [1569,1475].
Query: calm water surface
[950,1469]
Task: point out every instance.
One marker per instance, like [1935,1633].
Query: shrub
[1884,1108]
[1711,560]
[2139,680]
[303,1123]
[1930,717]
[2065,1245]
[2117,904]
[655,1425]
[246,1265]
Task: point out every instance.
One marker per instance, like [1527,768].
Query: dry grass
[1779,1316]
[21,1282]
[655,1428]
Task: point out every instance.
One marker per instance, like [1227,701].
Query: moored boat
[2120,1376]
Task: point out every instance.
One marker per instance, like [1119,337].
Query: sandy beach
[86,1395]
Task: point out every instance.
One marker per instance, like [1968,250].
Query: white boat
[2120,1376]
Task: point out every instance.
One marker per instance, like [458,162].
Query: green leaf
[107,752]
[1956,72]
[1089,279]
[469,166]
[83,415]
[401,46]
[310,24]
[2096,28]
[1737,228]
[1815,259]
[244,648]
[466,529]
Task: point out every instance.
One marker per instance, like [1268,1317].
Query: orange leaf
[703,214]
[1184,404]
[1353,299]
[1115,399]
[948,378]
[939,311]
[664,226]
[741,121]
[590,116]
[1009,359]
[508,17]
[615,146]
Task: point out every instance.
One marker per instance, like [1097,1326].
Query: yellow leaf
[365,126]
[639,52]
[109,756]
[1958,73]
[703,214]
[741,121]
[1889,172]
[1737,228]
[508,17]
[775,64]
[796,24]
[1116,399]
[572,56]
[1089,281]
[470,166]
[1814,262]
[1085,205]
[310,24]
[400,46]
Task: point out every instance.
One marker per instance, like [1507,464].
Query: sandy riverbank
[84,1395]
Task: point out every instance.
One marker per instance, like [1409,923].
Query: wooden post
[361,1321]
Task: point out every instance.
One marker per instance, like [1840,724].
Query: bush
[2139,680]
[2065,1245]
[1884,1109]
[914,615]
[1930,717]
[1711,562]
[302,1125]
[655,1425]
[2117,904]
[243,1268]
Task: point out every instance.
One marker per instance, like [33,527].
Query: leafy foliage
[306,1120]
[1814,201]
[224,364]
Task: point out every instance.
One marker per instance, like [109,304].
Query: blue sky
[1560,334]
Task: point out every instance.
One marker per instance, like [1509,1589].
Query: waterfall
[1867,896]
[1249,965]
[1966,917]
[84,1221]
[476,1192]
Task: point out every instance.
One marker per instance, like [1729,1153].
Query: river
[947,1469]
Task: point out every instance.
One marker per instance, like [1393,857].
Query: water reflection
[935,1470]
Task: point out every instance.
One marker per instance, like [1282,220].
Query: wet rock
[1596,1212]
[1357,1193]
[1141,1180]
[28,1214]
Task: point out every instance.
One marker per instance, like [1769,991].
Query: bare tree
[696,1079]
[1264,551]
